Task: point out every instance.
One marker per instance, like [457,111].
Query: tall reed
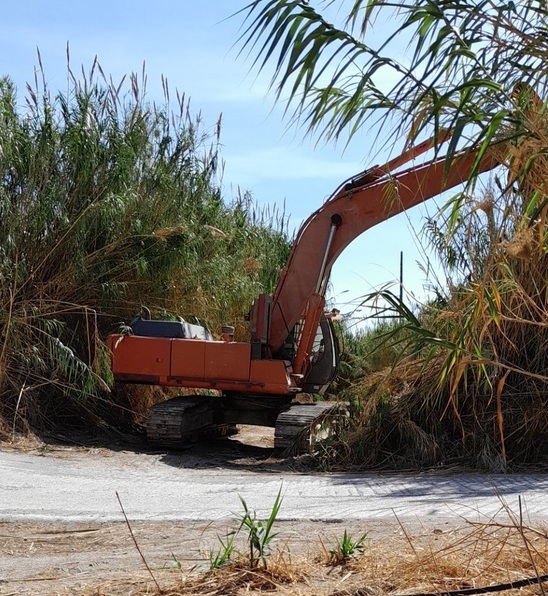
[472,386]
[108,202]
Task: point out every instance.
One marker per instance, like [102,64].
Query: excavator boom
[357,206]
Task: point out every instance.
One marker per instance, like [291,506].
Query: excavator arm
[356,206]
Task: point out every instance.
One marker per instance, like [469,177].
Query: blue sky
[194,45]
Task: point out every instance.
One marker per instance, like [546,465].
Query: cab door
[324,359]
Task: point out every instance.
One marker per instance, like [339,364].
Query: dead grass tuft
[521,246]
[238,578]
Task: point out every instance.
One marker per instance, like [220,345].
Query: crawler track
[182,420]
[301,428]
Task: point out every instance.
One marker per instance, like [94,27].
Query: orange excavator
[292,347]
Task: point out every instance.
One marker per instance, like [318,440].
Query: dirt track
[100,557]
[77,543]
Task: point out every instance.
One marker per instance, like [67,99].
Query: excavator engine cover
[175,329]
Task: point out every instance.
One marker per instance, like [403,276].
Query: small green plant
[259,534]
[176,563]
[223,555]
[346,548]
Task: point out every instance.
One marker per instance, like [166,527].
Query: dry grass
[471,386]
[238,578]
[406,558]
[420,561]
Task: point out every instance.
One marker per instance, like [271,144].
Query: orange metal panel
[148,356]
[210,360]
[188,358]
[196,363]
[270,376]
[227,361]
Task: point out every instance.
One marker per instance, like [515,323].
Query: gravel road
[201,484]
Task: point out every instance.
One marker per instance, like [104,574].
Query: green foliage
[259,533]
[108,202]
[343,68]
[471,386]
[346,548]
[223,555]
[259,537]
[367,350]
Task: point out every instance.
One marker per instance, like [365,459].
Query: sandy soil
[103,559]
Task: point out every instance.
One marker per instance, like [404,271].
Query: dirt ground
[122,558]
[173,557]
[103,558]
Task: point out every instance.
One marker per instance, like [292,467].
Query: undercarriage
[299,428]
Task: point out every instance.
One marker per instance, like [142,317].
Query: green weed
[259,534]
[346,548]
[223,555]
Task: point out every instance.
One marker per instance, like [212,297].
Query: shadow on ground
[251,449]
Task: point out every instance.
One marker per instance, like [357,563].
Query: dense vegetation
[470,382]
[109,202]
